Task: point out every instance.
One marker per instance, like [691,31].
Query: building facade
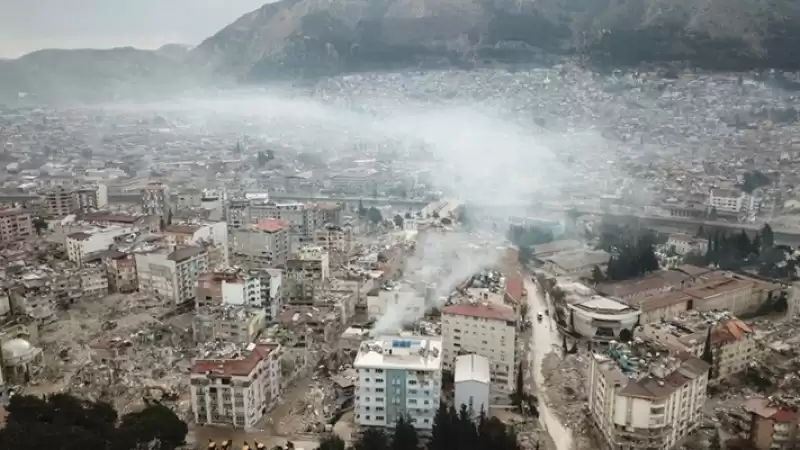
[261,246]
[473,383]
[236,391]
[155,199]
[485,329]
[15,224]
[171,276]
[636,401]
[398,377]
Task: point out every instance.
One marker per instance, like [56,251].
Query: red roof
[271,225]
[784,415]
[514,288]
[482,310]
[233,367]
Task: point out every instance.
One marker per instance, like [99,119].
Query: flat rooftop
[396,352]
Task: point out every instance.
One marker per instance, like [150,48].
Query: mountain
[91,75]
[292,37]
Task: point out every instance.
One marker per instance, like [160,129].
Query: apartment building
[733,343]
[61,201]
[305,276]
[121,270]
[57,201]
[236,324]
[485,329]
[91,198]
[236,390]
[733,201]
[15,224]
[94,282]
[682,244]
[155,197]
[773,424]
[204,234]
[643,397]
[171,276]
[81,244]
[107,219]
[336,240]
[261,246]
[398,377]
[231,287]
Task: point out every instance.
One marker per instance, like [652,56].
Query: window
[381,418]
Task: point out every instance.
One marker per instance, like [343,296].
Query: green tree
[399,221]
[405,435]
[443,429]
[155,427]
[332,442]
[767,237]
[372,439]
[519,390]
[362,211]
[374,215]
[39,225]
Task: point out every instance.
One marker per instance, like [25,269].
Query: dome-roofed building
[20,360]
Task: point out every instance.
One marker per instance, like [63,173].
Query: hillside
[319,36]
[87,75]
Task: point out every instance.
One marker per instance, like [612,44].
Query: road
[544,339]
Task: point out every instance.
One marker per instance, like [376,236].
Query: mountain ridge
[298,38]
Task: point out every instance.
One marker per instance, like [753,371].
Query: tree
[71,423]
[362,211]
[399,221]
[408,215]
[262,159]
[332,442]
[372,439]
[374,215]
[237,150]
[405,435]
[155,427]
[767,237]
[446,221]
[712,215]
[39,224]
[597,274]
[443,429]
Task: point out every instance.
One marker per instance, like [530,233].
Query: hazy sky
[28,25]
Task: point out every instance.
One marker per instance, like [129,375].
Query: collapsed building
[643,396]
[732,342]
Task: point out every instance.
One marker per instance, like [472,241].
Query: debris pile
[565,378]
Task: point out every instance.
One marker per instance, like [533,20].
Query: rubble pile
[565,378]
[312,412]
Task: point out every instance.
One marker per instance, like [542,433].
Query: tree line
[64,422]
[631,256]
[452,430]
[526,237]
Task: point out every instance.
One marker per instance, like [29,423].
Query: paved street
[544,339]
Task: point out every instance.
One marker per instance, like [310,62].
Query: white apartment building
[640,400]
[398,377]
[236,391]
[485,329]
[90,198]
[94,282]
[171,276]
[261,246]
[229,287]
[83,243]
[473,383]
[733,201]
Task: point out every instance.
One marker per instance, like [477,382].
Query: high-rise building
[398,377]
[155,199]
[485,329]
